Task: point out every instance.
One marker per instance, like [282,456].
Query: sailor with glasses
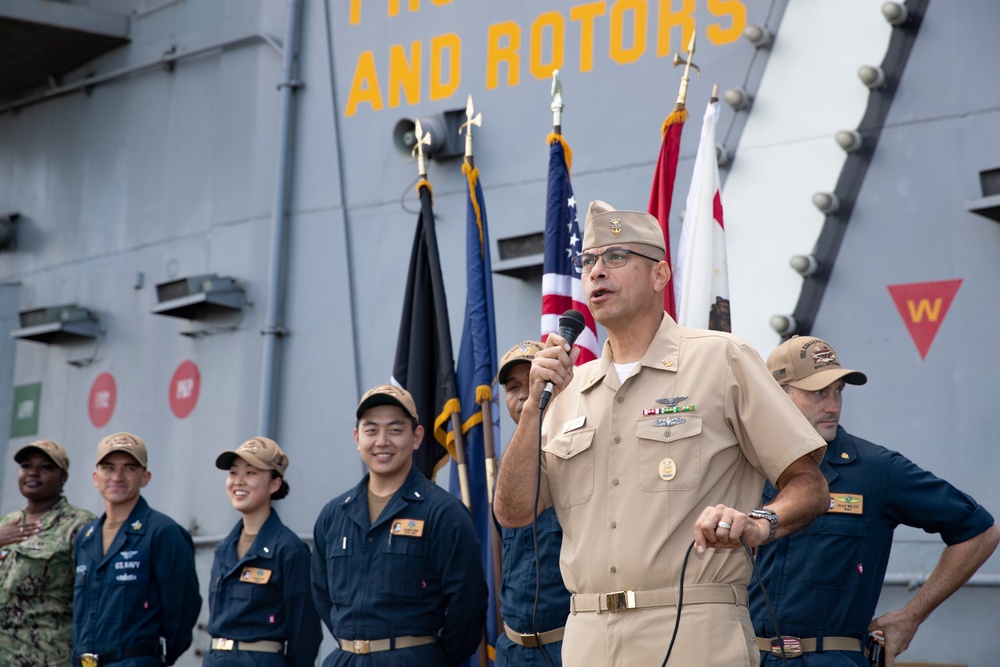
[669,436]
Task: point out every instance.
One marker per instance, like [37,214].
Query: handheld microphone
[571,325]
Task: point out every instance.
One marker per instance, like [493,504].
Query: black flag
[424,364]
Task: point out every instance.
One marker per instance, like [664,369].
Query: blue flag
[477,368]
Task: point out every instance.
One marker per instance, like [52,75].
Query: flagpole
[557,103]
[424,139]
[486,406]
[688,64]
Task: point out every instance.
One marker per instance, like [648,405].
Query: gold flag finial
[423,139]
[688,64]
[467,126]
[557,102]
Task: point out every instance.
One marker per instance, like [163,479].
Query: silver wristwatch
[764,513]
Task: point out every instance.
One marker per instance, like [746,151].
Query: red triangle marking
[923,307]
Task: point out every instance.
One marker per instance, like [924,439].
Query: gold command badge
[668,469]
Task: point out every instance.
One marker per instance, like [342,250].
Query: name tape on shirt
[408,527]
[846,503]
[255,575]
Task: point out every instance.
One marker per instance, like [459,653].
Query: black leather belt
[96,659]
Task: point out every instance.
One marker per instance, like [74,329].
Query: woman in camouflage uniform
[36,562]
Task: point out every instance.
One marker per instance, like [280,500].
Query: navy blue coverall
[143,589]
[517,591]
[825,580]
[264,596]
[375,582]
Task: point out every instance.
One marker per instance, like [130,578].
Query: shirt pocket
[409,575]
[338,570]
[572,464]
[836,539]
[669,451]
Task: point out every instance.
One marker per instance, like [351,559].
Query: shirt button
[370,539]
[613,569]
[614,524]
[618,439]
[620,399]
[614,481]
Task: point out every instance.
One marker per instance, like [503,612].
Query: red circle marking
[103,397]
[185,386]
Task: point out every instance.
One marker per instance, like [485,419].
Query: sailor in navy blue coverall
[136,596]
[405,587]
[518,646]
[260,600]
[824,581]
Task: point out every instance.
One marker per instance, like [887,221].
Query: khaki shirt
[36,589]
[627,491]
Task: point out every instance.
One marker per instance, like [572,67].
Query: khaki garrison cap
[606,226]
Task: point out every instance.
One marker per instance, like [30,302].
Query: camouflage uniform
[36,590]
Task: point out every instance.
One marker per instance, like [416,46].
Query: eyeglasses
[613,258]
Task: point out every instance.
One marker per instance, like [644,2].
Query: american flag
[562,288]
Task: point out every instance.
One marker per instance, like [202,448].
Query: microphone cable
[756,573]
[534,540]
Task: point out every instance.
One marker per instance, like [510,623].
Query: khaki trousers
[709,635]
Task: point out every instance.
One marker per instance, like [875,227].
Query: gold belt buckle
[529,641]
[223,644]
[89,660]
[620,600]
[793,646]
[362,647]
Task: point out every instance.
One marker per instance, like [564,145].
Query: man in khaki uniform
[668,437]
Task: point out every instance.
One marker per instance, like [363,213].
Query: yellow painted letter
[364,88]
[497,53]
[737,13]
[586,14]
[924,307]
[441,65]
[557,24]
[618,51]
[404,74]
[670,19]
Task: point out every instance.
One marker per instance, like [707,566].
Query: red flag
[662,193]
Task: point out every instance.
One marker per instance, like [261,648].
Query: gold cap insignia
[616,226]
